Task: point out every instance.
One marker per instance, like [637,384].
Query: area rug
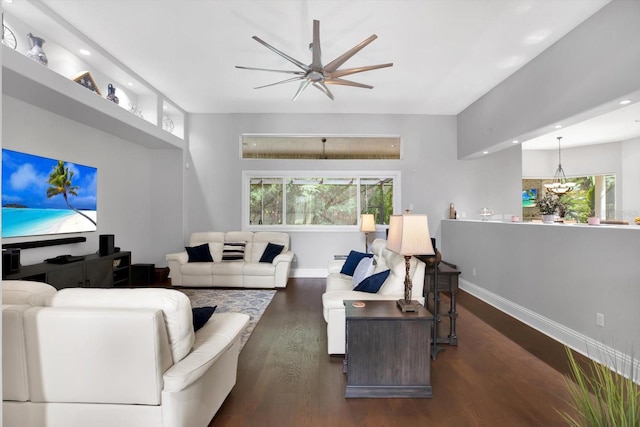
[249,301]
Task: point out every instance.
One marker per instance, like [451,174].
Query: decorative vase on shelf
[485,213]
[111,95]
[167,123]
[548,219]
[36,53]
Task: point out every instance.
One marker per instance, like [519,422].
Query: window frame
[247,175]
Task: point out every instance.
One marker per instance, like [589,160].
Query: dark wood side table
[387,352]
[447,282]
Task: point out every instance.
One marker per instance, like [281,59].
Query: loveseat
[237,259]
[340,287]
[113,357]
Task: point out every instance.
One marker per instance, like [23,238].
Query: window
[318,199]
[320,147]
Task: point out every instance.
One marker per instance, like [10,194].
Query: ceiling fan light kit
[316,74]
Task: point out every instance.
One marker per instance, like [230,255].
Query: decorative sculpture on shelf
[36,53]
[134,110]
[111,95]
[167,123]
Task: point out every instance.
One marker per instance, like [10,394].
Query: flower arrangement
[548,204]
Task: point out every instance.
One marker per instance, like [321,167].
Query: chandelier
[559,185]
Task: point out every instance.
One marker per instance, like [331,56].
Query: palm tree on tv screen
[60,180]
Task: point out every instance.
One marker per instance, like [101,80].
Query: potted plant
[548,204]
[601,395]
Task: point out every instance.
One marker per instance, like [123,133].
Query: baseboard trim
[311,273]
[578,342]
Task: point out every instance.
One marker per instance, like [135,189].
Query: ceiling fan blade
[348,71]
[301,88]
[300,73]
[333,65]
[294,61]
[323,88]
[293,79]
[343,82]
[316,63]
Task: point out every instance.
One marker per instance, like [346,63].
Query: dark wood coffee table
[387,352]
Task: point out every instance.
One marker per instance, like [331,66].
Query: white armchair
[115,357]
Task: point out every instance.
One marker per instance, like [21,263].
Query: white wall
[139,197]
[555,278]
[432,177]
[596,63]
[631,189]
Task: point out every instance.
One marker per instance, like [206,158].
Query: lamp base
[408,306]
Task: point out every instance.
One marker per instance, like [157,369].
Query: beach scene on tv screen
[42,196]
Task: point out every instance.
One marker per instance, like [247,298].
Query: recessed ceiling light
[625,102]
[8,1]
[515,141]
[485,152]
[130,83]
[84,52]
[558,126]
[164,107]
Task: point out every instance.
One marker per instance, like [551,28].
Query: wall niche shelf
[30,82]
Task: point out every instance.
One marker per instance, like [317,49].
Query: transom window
[320,147]
[318,199]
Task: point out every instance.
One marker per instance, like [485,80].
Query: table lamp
[367,224]
[408,236]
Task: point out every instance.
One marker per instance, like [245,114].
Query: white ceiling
[446,54]
[618,125]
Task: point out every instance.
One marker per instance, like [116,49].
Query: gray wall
[139,190]
[432,177]
[596,63]
[555,278]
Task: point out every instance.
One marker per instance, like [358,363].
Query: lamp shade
[409,235]
[367,223]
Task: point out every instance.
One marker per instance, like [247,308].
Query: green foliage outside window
[377,198]
[319,201]
[579,204]
[313,201]
[265,201]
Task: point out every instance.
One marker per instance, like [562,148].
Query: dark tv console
[88,271]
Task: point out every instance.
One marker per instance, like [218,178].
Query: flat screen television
[42,196]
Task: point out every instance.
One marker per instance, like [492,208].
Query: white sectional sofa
[247,272]
[340,287]
[113,357]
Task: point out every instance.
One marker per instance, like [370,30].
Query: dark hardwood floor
[501,374]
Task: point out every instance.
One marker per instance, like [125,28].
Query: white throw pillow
[363,270]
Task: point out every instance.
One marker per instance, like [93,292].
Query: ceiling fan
[316,74]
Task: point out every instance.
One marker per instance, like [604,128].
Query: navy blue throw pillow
[352,261]
[373,283]
[201,315]
[199,253]
[270,252]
